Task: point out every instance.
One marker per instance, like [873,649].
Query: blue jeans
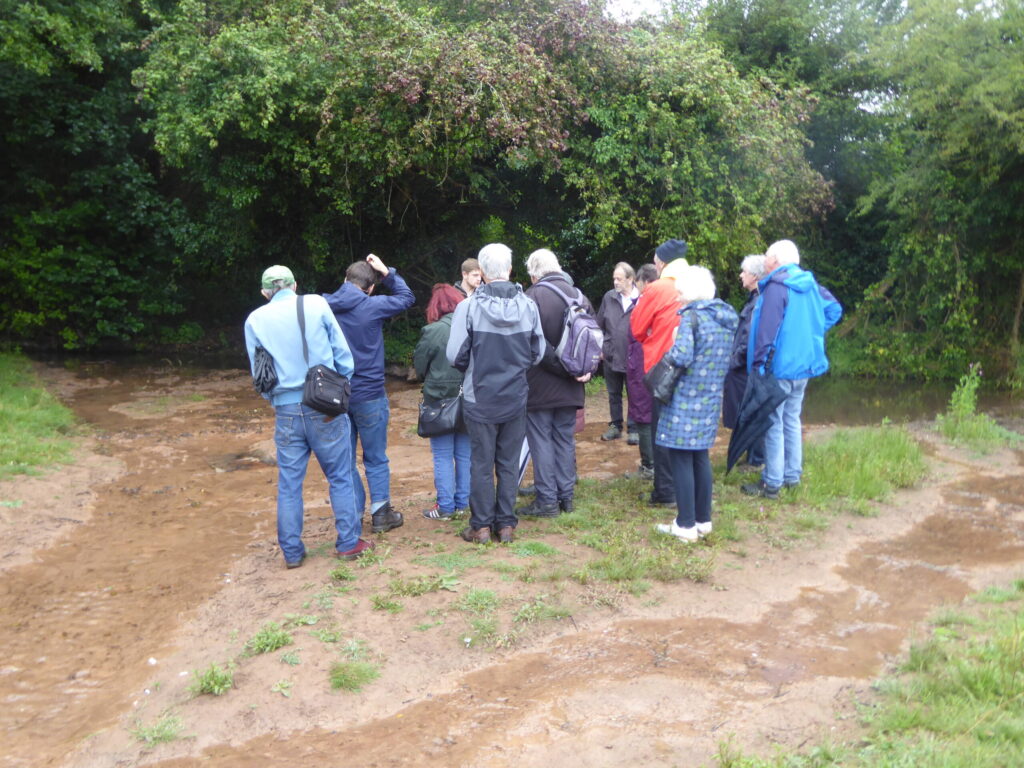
[297,431]
[370,426]
[451,471]
[783,444]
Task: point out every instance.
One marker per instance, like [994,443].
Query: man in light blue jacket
[787,339]
[299,429]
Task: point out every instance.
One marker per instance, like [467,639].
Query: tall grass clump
[962,424]
[863,464]
[34,425]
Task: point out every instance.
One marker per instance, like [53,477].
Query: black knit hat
[671,250]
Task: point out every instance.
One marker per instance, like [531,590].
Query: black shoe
[295,563]
[760,489]
[537,509]
[614,432]
[386,518]
[527,490]
[790,484]
[565,505]
[633,438]
[654,501]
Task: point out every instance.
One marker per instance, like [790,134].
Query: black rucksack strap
[302,329]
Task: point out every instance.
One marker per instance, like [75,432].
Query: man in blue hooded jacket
[361,316]
[787,339]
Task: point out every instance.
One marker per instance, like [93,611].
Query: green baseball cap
[275,273]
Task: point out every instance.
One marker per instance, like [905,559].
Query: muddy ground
[154,555]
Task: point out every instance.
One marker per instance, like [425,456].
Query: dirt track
[155,556]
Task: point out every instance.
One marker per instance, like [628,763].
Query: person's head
[471,275]
[443,298]
[623,277]
[751,271]
[668,251]
[646,275]
[362,276]
[781,254]
[495,262]
[540,263]
[695,284]
[276,278]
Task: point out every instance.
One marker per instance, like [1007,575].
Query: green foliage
[352,676]
[166,729]
[964,425]
[33,423]
[214,680]
[270,637]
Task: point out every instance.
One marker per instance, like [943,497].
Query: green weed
[167,728]
[291,658]
[385,603]
[539,609]
[421,585]
[351,676]
[962,424]
[452,562]
[215,681]
[342,573]
[327,635]
[270,637]
[34,425]
[478,601]
[532,549]
[284,687]
[295,620]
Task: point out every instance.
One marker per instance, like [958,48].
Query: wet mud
[769,654]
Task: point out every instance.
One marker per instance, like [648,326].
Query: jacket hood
[791,276]
[716,311]
[346,298]
[674,268]
[497,302]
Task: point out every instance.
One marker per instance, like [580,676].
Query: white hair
[754,265]
[495,261]
[695,284]
[784,252]
[542,262]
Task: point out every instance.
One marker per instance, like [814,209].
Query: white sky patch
[627,10]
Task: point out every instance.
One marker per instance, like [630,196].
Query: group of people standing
[494,344]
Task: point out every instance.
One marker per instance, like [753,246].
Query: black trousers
[691,474]
[664,489]
[495,454]
[615,382]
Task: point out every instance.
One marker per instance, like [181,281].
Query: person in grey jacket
[613,317]
[496,337]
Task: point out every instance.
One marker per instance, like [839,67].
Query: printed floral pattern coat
[690,421]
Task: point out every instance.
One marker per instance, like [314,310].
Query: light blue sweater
[275,327]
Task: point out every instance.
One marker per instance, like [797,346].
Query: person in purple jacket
[361,315]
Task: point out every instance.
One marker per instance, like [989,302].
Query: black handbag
[662,379]
[441,417]
[325,389]
[264,374]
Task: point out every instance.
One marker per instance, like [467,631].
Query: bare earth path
[154,556]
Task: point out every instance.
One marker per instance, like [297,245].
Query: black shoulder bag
[325,389]
[661,380]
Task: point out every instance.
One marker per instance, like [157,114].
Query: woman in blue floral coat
[688,425]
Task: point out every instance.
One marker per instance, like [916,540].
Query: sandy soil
[155,555]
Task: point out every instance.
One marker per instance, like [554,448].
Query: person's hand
[583,379]
[374,261]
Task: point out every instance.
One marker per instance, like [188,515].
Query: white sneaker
[703,529]
[683,534]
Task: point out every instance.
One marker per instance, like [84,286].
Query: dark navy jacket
[361,318]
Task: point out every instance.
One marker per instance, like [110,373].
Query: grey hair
[495,261]
[695,284]
[754,265]
[542,262]
[783,251]
[626,270]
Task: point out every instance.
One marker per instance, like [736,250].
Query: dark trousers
[664,490]
[643,431]
[691,474]
[615,382]
[495,453]
[553,448]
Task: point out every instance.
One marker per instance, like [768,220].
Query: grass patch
[958,701]
[270,637]
[167,728]
[963,425]
[34,425]
[342,573]
[213,681]
[351,676]
[532,549]
[385,603]
[421,585]
[452,562]
[291,658]
[539,609]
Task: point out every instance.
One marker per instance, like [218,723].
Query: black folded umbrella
[264,374]
[761,398]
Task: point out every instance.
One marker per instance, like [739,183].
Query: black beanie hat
[671,250]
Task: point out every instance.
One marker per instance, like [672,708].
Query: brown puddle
[666,691]
[85,621]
